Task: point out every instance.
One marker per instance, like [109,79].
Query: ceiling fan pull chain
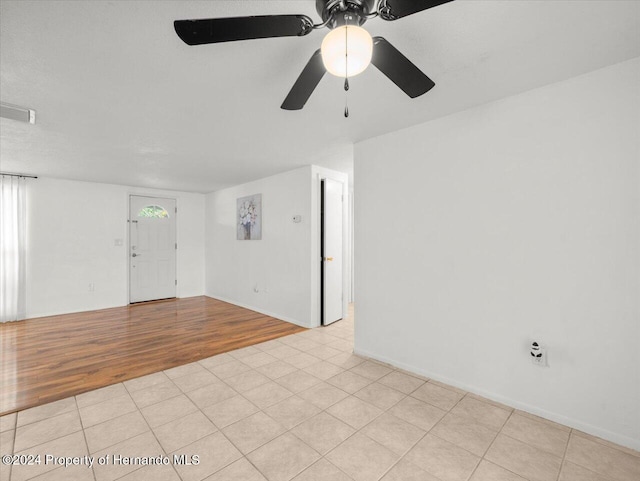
[346,74]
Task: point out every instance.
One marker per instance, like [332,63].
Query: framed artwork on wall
[249,217]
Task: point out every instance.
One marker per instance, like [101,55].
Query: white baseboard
[261,311]
[558,418]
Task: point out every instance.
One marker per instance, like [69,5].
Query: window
[154,211]
[12,247]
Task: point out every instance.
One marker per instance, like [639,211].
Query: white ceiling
[120,99]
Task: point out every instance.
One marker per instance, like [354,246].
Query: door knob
[135,255]
[328,259]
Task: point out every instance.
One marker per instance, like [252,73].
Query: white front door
[152,248]
[332,254]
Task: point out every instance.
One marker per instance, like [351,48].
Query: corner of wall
[507,223]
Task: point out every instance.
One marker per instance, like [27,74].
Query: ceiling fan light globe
[351,41]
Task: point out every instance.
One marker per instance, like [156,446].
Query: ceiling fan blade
[306,83]
[215,30]
[395,9]
[399,69]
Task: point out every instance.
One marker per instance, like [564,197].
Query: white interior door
[332,251]
[152,248]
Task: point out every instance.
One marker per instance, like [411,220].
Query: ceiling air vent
[14,112]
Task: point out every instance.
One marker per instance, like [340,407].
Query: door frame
[128,240]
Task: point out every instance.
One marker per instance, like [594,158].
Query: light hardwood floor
[51,358]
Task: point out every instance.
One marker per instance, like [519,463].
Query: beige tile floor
[304,408]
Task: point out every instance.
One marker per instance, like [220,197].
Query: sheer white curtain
[12,247]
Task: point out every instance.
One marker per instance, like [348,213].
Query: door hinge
[176,245]
[176,210]
[176,282]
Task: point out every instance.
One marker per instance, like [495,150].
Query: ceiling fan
[346,50]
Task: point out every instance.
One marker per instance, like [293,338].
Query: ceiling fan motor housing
[344,12]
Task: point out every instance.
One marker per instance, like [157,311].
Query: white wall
[72,228]
[71,231]
[515,221]
[279,274]
[277,267]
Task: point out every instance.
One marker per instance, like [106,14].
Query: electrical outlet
[540,361]
[538,355]
[92,287]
